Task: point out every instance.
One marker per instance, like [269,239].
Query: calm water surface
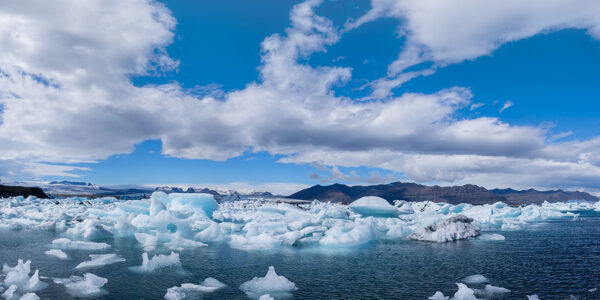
[554,260]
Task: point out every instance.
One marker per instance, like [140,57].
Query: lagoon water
[554,260]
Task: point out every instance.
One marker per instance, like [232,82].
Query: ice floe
[209,285]
[57,253]
[89,285]
[157,262]
[466,293]
[473,279]
[271,284]
[18,280]
[454,228]
[166,222]
[99,260]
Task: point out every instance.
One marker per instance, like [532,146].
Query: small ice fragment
[452,229]
[438,296]
[65,243]
[464,293]
[19,276]
[99,260]
[266,297]
[9,293]
[209,285]
[592,290]
[57,253]
[30,296]
[270,284]
[157,262]
[533,297]
[491,290]
[89,285]
[373,206]
[474,279]
[491,237]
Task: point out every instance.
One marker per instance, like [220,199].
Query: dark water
[554,260]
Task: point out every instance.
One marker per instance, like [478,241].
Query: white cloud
[447,32]
[67,97]
[506,105]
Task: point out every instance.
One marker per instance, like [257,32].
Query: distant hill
[13,191]
[451,194]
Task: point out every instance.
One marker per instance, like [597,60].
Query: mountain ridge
[415,192]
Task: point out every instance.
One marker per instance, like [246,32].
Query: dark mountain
[13,191]
[451,194]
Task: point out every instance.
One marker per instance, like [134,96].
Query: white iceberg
[266,297]
[491,237]
[99,260]
[57,253]
[474,279]
[209,285]
[452,229]
[65,243]
[270,284]
[89,285]
[438,296]
[373,206]
[30,296]
[90,229]
[19,277]
[159,261]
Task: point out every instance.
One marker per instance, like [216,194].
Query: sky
[284,94]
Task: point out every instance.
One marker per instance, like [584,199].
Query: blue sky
[544,73]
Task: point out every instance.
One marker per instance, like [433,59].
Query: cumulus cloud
[448,32]
[67,97]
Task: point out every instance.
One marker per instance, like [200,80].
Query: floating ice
[266,297]
[89,285]
[373,206]
[90,229]
[19,277]
[533,297]
[464,293]
[65,243]
[452,229]
[492,291]
[270,284]
[30,296]
[491,237]
[209,285]
[159,261]
[57,253]
[10,292]
[438,296]
[99,260]
[473,279]
[362,232]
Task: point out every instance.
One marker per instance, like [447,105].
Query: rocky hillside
[13,191]
[451,194]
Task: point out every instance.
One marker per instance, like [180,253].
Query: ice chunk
[198,202]
[262,241]
[373,206]
[157,201]
[266,297]
[10,292]
[19,276]
[90,229]
[30,296]
[89,285]
[533,297]
[473,279]
[464,293]
[210,234]
[438,296]
[270,284]
[451,229]
[209,285]
[493,291]
[491,237]
[99,260]
[363,232]
[65,243]
[148,241]
[157,262]
[57,253]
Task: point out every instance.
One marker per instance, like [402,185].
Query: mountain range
[451,194]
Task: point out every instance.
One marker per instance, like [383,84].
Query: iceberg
[474,279]
[30,296]
[159,261]
[19,276]
[57,253]
[65,243]
[266,297]
[90,229]
[373,206]
[452,229]
[99,260]
[272,284]
[89,285]
[491,237]
[438,296]
[209,285]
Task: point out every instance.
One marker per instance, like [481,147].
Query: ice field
[150,236]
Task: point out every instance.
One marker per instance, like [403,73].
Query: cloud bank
[66,94]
